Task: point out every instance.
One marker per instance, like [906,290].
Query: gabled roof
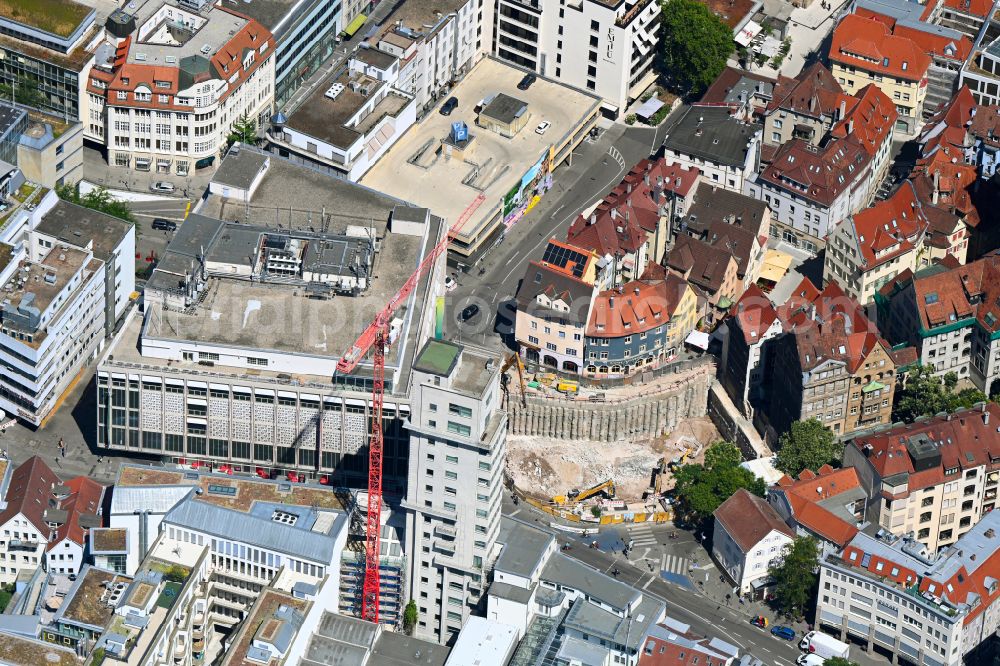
[869,44]
[808,495]
[755,313]
[640,305]
[29,492]
[951,294]
[868,122]
[702,263]
[962,440]
[555,284]
[890,228]
[84,500]
[814,92]
[819,174]
[749,519]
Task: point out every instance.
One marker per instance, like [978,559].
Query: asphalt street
[704,606]
[594,169]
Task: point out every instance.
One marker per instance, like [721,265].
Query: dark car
[159,224]
[783,632]
[449,106]
[759,621]
[526,82]
[469,312]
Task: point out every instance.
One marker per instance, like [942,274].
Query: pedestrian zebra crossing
[674,564]
[642,535]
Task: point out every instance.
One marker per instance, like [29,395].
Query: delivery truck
[827,647]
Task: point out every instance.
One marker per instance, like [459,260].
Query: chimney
[628,188]
[593,218]
[850,126]
[611,302]
[986,417]
[937,182]
[614,213]
[636,291]
[645,179]
[843,109]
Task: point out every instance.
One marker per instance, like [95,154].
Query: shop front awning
[747,33]
[697,339]
[355,25]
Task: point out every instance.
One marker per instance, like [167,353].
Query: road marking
[647,585]
[187,211]
[674,564]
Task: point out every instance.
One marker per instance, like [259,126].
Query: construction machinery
[514,359]
[377,337]
[606,487]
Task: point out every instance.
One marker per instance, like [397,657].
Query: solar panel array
[560,256]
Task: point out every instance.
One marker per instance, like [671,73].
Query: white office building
[606,48]
[458,434]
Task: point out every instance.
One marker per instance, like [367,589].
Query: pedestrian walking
[62,447]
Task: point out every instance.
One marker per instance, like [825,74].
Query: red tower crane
[377,336]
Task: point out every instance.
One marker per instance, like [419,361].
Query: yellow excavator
[514,359]
[606,487]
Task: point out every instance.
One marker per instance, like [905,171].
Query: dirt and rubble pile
[544,467]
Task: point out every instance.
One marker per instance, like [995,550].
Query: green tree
[807,445]
[839,661]
[924,394]
[99,199]
[410,617]
[701,488]
[244,131]
[696,45]
[795,576]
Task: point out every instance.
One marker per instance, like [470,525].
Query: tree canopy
[701,488]
[807,445]
[925,395]
[795,576]
[99,200]
[410,617]
[696,45]
[244,131]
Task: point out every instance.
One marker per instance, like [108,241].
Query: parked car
[542,127]
[526,82]
[810,660]
[450,284]
[162,186]
[469,312]
[759,621]
[782,631]
[450,105]
[159,224]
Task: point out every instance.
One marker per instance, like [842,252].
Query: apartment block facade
[933,479]
[896,595]
[168,102]
[607,48]
[454,488]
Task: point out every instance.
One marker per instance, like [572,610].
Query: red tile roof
[29,492]
[814,92]
[640,305]
[890,228]
[961,292]
[868,43]
[84,500]
[702,263]
[755,314]
[748,519]
[805,495]
[868,121]
[819,174]
[964,439]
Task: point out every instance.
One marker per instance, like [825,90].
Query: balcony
[442,529]
[21,544]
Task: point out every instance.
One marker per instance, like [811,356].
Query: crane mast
[376,336]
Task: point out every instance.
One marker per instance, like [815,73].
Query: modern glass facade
[304,48]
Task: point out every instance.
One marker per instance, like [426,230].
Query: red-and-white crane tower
[377,336]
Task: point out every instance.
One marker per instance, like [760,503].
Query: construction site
[601,453]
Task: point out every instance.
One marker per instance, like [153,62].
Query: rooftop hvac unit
[335,90]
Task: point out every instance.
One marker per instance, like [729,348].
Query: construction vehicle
[514,359]
[377,337]
[567,387]
[606,487]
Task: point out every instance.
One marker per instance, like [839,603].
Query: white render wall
[745,568]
